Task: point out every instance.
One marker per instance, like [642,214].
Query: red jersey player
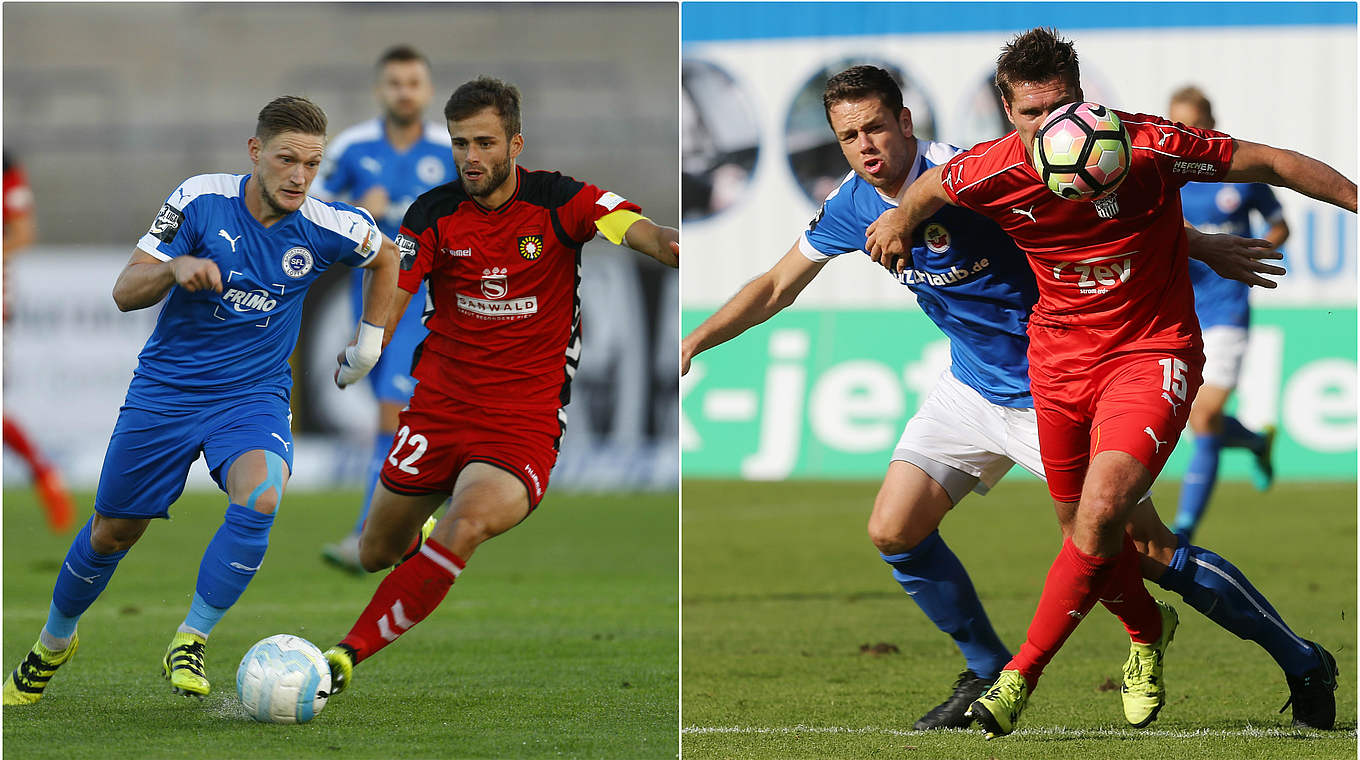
[500,248]
[1115,353]
[20,231]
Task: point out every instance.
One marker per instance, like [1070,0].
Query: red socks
[405,597]
[1075,582]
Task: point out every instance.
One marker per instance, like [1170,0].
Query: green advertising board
[825,394]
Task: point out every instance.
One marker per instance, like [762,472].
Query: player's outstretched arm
[661,243]
[146,279]
[1236,258]
[380,287]
[1254,162]
[756,302]
[889,237]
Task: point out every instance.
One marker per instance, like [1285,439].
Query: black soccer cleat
[1312,693]
[953,712]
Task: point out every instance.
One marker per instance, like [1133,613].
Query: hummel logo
[230,239]
[89,580]
[1029,212]
[1153,436]
[1075,614]
[285,443]
[1165,136]
[240,566]
[1173,404]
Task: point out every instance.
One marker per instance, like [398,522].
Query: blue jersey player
[978,421]
[1224,315]
[232,257]
[382,165]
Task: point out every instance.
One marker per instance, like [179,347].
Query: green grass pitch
[559,641]
[782,589]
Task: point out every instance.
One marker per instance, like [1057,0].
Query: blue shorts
[150,452]
[391,376]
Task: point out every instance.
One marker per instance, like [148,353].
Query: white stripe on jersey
[438,133]
[364,131]
[353,225]
[1177,127]
[226,185]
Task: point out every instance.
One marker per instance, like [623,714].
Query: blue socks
[1200,478]
[1215,587]
[933,576]
[82,577]
[382,443]
[232,557]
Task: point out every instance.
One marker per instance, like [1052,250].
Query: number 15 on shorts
[1173,377]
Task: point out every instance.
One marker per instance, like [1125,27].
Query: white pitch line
[1247,732]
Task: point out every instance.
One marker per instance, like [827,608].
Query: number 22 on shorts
[1173,377]
[418,444]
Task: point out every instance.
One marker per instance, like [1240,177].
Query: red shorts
[1136,403]
[437,437]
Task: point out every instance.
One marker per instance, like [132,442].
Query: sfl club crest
[531,247]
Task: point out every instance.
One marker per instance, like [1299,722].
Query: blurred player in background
[1112,368]
[1224,313]
[382,165]
[21,229]
[971,281]
[235,255]
[501,248]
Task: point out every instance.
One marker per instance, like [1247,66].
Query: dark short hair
[1036,56]
[486,92]
[400,54]
[1193,96]
[858,82]
[290,113]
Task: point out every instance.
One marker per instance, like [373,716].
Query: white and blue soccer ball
[283,679]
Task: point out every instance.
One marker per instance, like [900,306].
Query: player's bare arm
[889,237]
[380,287]
[1236,258]
[1254,162]
[756,302]
[661,243]
[146,279]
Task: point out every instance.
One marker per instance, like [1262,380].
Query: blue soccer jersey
[967,274]
[207,345]
[1224,207]
[360,158]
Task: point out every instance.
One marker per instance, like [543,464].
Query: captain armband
[616,223]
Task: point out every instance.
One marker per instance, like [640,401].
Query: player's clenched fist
[889,240]
[193,273]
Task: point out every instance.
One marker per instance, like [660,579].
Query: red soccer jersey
[505,331]
[1118,265]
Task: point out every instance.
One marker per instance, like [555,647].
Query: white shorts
[1224,347]
[965,442]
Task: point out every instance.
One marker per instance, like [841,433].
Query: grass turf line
[782,588]
[559,641]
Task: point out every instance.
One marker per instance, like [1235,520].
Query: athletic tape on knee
[273,479]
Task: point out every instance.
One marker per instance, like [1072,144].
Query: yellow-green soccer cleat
[1143,690]
[341,659]
[183,665]
[999,709]
[425,530]
[25,685]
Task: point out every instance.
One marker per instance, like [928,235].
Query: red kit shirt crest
[505,328]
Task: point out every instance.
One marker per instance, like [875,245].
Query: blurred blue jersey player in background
[1224,315]
[232,256]
[382,165]
[978,421]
